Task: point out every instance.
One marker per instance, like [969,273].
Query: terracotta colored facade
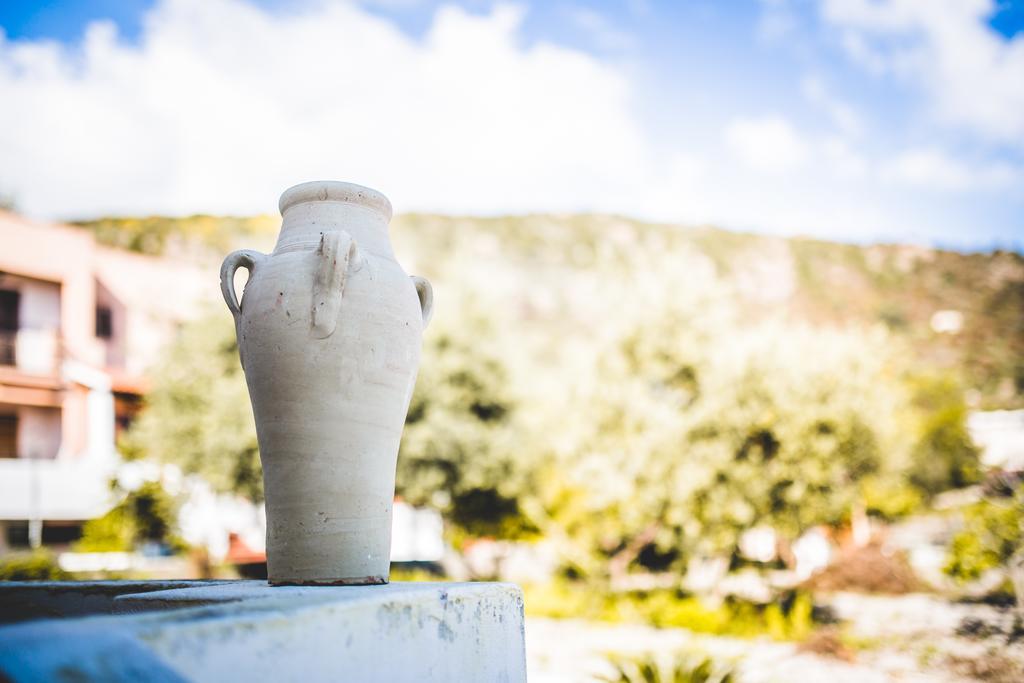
[80,323]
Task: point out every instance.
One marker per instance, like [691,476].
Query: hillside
[980,336]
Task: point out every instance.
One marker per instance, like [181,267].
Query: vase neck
[304,223]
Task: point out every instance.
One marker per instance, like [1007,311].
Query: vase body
[329,333]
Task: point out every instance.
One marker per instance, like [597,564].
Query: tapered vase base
[351,581]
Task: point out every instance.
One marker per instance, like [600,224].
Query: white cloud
[973,77]
[220,106]
[767,144]
[843,116]
[933,169]
[842,159]
[600,29]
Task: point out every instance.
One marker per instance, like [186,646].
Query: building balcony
[55,489]
[30,351]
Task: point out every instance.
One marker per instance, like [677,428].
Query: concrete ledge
[25,600]
[246,629]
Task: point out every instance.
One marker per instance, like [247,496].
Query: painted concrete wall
[155,295]
[62,274]
[40,304]
[39,432]
[458,632]
[114,347]
[37,341]
[74,490]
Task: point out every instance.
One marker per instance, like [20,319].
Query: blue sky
[857,120]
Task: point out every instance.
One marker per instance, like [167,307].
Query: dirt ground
[907,638]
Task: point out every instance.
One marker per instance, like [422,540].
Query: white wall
[39,432]
[1000,433]
[38,323]
[40,304]
[417,534]
[115,345]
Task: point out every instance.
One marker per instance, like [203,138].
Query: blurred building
[79,324]
[417,534]
[1000,434]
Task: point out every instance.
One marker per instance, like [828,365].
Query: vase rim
[335,191]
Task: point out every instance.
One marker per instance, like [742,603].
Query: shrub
[39,566]
[945,457]
[672,667]
[990,537]
[146,514]
[791,617]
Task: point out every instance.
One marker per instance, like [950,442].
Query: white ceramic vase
[329,333]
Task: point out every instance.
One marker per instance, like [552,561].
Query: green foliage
[196,235]
[900,286]
[790,442]
[40,565]
[457,452]
[891,498]
[400,574]
[690,434]
[995,365]
[669,667]
[198,414]
[993,532]
[944,457]
[639,394]
[147,514]
[111,533]
[789,618]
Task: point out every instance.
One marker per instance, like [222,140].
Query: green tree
[992,534]
[198,414]
[693,433]
[148,513]
[801,420]
[457,452]
[624,388]
[944,457]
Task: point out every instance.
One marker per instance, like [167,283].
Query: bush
[672,667]
[791,617]
[39,566]
[990,537]
[945,457]
[146,514]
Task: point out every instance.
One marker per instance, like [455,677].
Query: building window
[9,299]
[104,322]
[126,407]
[9,303]
[8,436]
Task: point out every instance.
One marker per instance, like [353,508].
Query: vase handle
[337,249]
[243,258]
[426,295]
